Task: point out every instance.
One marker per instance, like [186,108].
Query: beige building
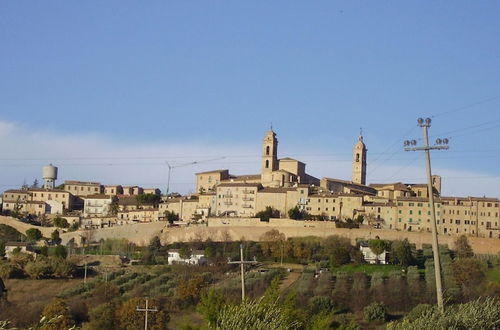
[236,199]
[38,201]
[139,215]
[187,208]
[132,191]
[61,196]
[83,188]
[113,190]
[206,181]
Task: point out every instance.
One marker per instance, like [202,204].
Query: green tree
[468,274]
[55,238]
[210,305]
[375,312]
[2,249]
[339,256]
[274,243]
[33,234]
[102,317]
[60,222]
[57,309]
[267,214]
[60,251]
[148,199]
[171,217]
[297,214]
[401,253]
[378,247]
[129,319]
[463,248]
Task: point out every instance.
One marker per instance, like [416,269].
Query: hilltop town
[283,189]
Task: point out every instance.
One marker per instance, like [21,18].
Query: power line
[465,107]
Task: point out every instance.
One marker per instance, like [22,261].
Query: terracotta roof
[246,177]
[276,190]
[49,190]
[239,184]
[288,159]
[82,183]
[214,171]
[97,196]
[17,191]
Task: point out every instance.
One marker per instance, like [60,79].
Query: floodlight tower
[441,144]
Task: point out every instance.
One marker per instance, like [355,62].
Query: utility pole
[146,310]
[242,263]
[441,144]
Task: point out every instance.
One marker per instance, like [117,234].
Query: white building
[371,257]
[97,205]
[197,258]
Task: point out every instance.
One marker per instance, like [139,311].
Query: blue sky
[201,80]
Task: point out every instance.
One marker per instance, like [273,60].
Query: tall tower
[49,176]
[359,162]
[270,152]
[269,156]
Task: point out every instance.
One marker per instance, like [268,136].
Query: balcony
[228,203]
[246,206]
[248,199]
[227,196]
[246,191]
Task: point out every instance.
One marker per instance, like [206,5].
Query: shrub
[375,312]
[418,311]
[320,304]
[260,316]
[62,268]
[33,234]
[477,314]
[38,269]
[60,222]
[8,270]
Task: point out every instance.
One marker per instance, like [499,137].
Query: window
[419,212]
[357,157]
[411,211]
[267,150]
[411,204]
[419,204]
[400,211]
[267,163]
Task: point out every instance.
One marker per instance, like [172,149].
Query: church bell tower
[359,162]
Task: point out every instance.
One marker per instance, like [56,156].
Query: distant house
[12,247]
[371,257]
[197,258]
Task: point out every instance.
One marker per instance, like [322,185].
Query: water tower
[49,176]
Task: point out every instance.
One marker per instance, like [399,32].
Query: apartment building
[97,205]
[236,199]
[83,188]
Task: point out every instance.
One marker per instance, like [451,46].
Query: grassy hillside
[10,234]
